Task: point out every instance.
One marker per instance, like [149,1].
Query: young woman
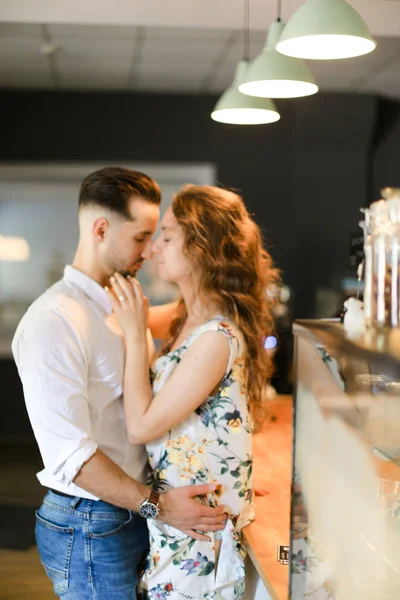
[195,417]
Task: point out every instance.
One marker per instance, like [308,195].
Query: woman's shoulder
[222,324]
[226,326]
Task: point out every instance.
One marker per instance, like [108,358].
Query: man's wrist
[149,507]
[143,495]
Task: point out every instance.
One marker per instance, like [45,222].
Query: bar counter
[272,448]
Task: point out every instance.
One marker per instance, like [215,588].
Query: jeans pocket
[54,543]
[110,525]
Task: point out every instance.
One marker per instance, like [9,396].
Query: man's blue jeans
[90,550]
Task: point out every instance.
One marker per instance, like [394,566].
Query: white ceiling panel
[390,92]
[14,30]
[238,50]
[179,34]
[382,16]
[70,62]
[77,83]
[221,83]
[357,71]
[109,75]
[384,81]
[32,72]
[191,50]
[34,63]
[101,80]
[29,80]
[165,59]
[94,45]
[164,83]
[177,67]
[102,31]
[19,47]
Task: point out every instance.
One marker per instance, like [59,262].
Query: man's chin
[130,273]
[133,271]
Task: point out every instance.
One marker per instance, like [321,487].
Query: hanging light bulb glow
[236,108]
[326,30]
[272,75]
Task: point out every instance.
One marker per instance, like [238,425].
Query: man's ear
[100,229]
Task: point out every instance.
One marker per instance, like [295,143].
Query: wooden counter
[272,479]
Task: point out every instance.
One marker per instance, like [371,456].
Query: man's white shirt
[70,355]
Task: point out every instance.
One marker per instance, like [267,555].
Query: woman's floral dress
[212,445]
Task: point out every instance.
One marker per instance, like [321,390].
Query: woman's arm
[199,372]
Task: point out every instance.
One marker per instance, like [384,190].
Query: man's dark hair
[113,187]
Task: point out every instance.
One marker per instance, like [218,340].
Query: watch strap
[154,497]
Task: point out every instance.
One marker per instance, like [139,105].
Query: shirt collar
[89,286]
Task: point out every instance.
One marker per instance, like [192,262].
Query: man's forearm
[160,319]
[103,478]
[178,507]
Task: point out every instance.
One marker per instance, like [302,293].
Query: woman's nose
[156,245]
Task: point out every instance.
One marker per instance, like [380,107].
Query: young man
[91,529]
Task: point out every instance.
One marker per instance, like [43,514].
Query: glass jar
[368,266]
[381,263]
[394,250]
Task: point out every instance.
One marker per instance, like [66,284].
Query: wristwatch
[149,507]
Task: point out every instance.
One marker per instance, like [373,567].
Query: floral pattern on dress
[212,445]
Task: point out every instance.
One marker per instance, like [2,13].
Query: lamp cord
[246,30]
[278,11]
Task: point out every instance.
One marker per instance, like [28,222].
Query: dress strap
[221,325]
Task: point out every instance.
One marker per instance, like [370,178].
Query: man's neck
[90,270]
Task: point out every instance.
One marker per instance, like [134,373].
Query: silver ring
[121,298]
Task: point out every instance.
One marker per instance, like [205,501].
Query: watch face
[148,510]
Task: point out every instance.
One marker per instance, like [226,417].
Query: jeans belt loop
[74,502]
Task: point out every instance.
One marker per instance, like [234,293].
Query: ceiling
[174,46]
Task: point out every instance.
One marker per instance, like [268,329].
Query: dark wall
[305,177]
[386,160]
[332,142]
[13,415]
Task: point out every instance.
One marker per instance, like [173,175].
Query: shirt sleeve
[53,361]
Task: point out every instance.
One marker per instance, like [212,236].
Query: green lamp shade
[325,30]
[273,75]
[237,109]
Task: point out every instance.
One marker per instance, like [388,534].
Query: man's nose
[148,250]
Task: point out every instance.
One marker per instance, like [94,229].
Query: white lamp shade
[273,75]
[326,30]
[236,108]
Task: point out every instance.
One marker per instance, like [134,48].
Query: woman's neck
[197,310]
